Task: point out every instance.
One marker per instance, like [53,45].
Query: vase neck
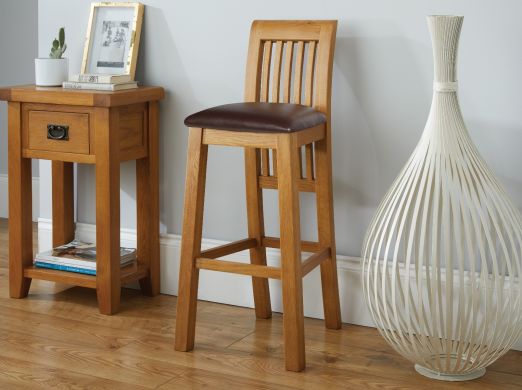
[445,33]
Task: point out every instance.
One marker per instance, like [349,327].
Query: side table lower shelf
[128,274]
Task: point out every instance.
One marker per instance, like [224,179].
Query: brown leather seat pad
[257,117]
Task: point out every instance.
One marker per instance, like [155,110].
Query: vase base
[449,377]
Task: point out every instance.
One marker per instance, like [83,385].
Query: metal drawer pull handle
[58,132]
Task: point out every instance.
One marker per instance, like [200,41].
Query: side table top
[76,97]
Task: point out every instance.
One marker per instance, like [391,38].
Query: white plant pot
[51,72]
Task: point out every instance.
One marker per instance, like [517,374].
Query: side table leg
[63,202]
[20,207]
[147,194]
[108,282]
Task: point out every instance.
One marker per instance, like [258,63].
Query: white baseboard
[237,290]
[4,196]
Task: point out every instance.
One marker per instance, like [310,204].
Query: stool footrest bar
[233,267]
[306,246]
[228,249]
[314,260]
[270,182]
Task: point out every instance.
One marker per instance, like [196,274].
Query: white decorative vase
[51,72]
[442,257]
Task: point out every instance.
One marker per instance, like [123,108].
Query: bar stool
[287,109]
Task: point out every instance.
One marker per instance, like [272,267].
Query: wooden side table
[91,127]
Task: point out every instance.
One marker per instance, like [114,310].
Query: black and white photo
[112,39]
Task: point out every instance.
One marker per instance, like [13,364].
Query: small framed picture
[113,38]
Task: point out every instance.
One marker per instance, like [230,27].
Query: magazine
[42,264]
[77,256]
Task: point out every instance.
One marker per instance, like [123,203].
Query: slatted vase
[442,256]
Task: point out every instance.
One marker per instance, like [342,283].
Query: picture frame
[113,38]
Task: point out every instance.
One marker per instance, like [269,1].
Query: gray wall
[18,48]
[381,97]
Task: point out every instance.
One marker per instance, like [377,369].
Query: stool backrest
[291,62]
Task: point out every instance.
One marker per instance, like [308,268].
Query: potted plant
[53,71]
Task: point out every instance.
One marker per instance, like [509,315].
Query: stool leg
[325,222]
[191,241]
[292,282]
[256,229]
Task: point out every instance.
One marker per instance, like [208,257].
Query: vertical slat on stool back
[276,66]
[291,62]
[298,72]
[287,81]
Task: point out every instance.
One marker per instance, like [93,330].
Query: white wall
[18,48]
[381,97]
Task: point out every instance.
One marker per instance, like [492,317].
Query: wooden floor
[57,339]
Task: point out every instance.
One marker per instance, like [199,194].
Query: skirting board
[236,289]
[4,196]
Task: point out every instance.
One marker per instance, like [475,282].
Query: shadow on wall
[381,100]
[156,68]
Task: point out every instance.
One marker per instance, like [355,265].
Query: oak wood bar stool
[286,110]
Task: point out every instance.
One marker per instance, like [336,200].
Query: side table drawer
[53,131]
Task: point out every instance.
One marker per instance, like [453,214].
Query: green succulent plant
[59,45]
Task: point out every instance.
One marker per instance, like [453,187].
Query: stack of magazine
[101,82]
[78,256]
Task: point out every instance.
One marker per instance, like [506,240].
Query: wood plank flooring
[57,339]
